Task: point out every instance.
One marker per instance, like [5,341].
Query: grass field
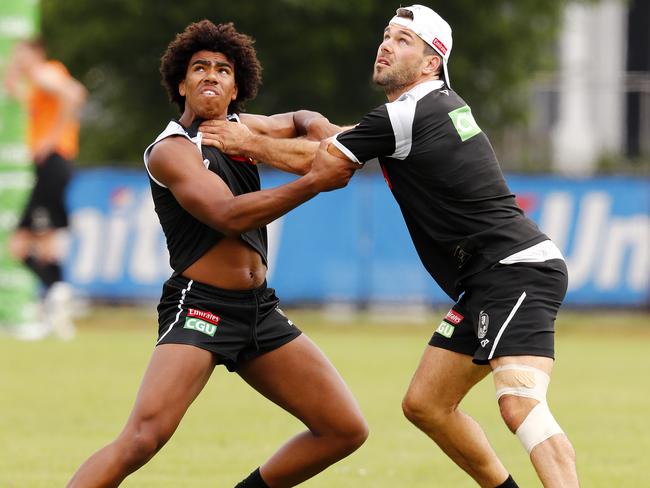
[61,401]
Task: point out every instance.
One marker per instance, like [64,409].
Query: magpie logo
[483,322]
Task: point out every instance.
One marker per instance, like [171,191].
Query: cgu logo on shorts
[447,326]
[445,329]
[201,321]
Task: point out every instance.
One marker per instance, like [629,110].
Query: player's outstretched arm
[302,123]
[291,155]
[207,197]
[284,141]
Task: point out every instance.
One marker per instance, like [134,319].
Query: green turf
[61,401]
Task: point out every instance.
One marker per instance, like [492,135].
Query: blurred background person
[53,99]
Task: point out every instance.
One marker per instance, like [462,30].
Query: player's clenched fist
[331,171]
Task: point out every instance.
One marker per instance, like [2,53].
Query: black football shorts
[46,208]
[507,310]
[236,326]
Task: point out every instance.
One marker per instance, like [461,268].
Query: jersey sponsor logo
[199,325]
[441,47]
[464,122]
[454,317]
[445,329]
[483,322]
[207,316]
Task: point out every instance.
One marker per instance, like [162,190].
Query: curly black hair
[222,38]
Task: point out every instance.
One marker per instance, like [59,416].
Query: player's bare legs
[300,379]
[175,376]
[441,381]
[554,458]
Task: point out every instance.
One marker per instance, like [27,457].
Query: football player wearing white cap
[508,279]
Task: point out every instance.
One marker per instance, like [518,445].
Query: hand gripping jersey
[443,173]
[188,238]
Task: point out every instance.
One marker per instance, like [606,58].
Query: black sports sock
[254,480]
[509,483]
[47,273]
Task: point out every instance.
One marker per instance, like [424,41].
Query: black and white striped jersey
[444,174]
[187,237]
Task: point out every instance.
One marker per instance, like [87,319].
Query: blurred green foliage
[316,54]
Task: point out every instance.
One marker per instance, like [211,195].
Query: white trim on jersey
[172,129]
[349,154]
[176,129]
[538,253]
[505,324]
[180,309]
[402,114]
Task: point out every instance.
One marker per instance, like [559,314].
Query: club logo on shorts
[445,329]
[201,321]
[485,342]
[483,322]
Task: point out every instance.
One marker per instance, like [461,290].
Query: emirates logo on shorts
[454,317]
[207,316]
[483,322]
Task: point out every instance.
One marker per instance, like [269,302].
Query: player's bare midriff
[231,264]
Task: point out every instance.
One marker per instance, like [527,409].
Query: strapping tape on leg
[526,381]
[538,426]
[521,380]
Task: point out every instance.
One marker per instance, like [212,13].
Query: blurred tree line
[316,54]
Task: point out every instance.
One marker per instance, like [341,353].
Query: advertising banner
[352,245]
[17,21]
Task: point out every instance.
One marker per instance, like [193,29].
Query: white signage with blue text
[352,245]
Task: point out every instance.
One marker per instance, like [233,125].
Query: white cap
[431,28]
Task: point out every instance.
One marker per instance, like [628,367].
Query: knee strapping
[520,380]
[526,381]
[538,426]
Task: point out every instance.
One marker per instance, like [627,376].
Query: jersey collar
[421,89]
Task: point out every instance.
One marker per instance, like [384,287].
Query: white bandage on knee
[520,380]
[538,426]
[526,381]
